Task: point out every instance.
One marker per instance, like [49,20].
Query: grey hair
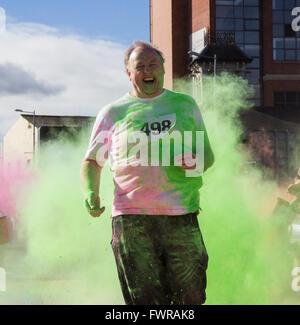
[144,45]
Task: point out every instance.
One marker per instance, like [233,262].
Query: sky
[58,58]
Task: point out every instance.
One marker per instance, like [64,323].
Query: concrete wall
[18,142]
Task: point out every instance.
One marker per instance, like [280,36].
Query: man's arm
[90,173]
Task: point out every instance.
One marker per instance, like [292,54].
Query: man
[160,254]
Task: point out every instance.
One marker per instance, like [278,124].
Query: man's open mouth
[149,81]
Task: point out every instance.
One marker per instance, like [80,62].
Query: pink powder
[13,178]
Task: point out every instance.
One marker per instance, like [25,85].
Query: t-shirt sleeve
[100,140]
[200,126]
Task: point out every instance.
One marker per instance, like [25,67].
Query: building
[265,31]
[268,31]
[26,136]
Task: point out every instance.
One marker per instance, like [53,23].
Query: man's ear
[128,72]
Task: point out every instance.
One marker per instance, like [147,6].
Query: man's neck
[133,93]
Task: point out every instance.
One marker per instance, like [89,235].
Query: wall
[18,142]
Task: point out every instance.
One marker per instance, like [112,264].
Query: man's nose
[147,68]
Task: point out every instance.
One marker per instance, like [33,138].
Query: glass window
[278,30]
[290,55]
[290,43]
[238,24]
[239,37]
[224,24]
[254,63]
[252,50]
[288,32]
[224,2]
[278,43]
[288,17]
[224,11]
[297,3]
[238,2]
[278,55]
[251,2]
[277,4]
[252,37]
[253,76]
[298,43]
[291,97]
[289,4]
[251,12]
[238,12]
[251,24]
[278,16]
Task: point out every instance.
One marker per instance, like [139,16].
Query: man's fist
[92,204]
[188,158]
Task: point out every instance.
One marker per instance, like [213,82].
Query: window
[287,99]
[285,40]
[240,20]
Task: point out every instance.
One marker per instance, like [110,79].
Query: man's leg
[186,259]
[138,262]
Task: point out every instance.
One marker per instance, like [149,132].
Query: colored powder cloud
[249,256]
[63,256]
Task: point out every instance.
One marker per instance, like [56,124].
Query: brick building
[267,32]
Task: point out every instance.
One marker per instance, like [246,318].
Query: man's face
[146,73]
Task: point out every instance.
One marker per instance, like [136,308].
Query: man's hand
[189,158]
[92,204]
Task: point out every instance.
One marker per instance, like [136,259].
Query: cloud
[14,81]
[81,74]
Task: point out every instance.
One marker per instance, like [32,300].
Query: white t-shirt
[143,185]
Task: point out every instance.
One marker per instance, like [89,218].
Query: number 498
[157,127]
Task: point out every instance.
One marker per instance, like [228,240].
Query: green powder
[63,256]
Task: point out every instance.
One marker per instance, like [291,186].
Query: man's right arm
[90,174]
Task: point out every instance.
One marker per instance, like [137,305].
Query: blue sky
[66,59]
[118,20]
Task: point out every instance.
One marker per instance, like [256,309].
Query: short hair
[144,45]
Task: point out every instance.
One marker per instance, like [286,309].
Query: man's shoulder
[115,106]
[181,97]
[118,103]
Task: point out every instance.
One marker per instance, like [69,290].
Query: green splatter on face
[63,256]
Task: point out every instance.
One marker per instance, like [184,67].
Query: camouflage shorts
[161,260]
